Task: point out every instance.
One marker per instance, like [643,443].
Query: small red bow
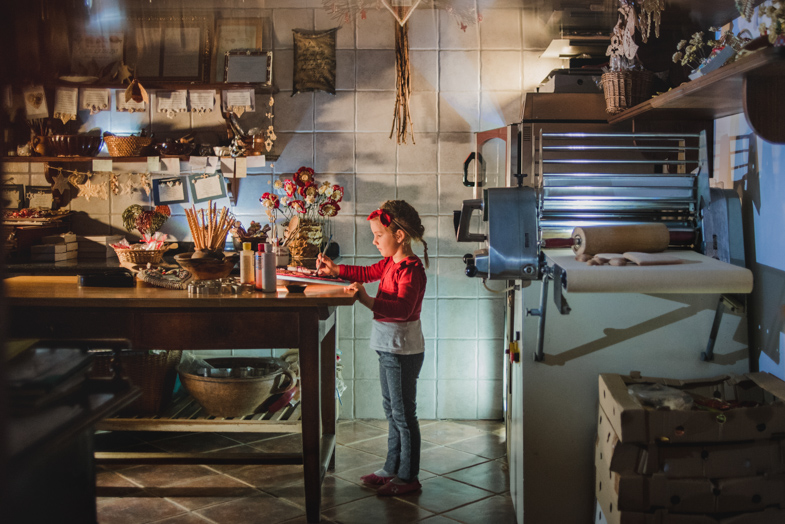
[383,216]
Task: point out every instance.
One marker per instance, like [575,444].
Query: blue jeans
[398,375]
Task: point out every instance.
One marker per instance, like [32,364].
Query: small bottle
[246,264]
[257,264]
[265,269]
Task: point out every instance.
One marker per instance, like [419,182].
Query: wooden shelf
[82,159]
[753,85]
[153,85]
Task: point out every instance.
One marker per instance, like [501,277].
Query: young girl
[396,335]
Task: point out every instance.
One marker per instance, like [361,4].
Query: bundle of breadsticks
[209,229]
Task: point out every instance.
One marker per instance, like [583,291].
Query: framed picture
[253,67]
[233,34]
[13,196]
[171,48]
[314,61]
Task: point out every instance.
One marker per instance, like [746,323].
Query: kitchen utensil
[73,145]
[207,268]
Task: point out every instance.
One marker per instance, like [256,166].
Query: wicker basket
[153,373]
[127,145]
[139,256]
[624,89]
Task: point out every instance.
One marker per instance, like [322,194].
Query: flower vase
[306,244]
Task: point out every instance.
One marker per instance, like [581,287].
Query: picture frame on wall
[251,66]
[232,34]
[169,48]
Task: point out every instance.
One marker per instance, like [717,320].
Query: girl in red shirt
[396,335]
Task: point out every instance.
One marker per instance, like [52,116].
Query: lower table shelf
[185,414]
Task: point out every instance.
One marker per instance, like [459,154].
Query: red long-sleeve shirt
[401,287]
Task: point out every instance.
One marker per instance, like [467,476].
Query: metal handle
[466,163]
[467,208]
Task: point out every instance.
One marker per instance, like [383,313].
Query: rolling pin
[645,238]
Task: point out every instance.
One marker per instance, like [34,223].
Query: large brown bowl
[244,390]
[207,268]
[174,148]
[73,145]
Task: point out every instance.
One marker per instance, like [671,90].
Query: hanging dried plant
[402,119]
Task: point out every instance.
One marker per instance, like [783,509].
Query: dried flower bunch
[146,221]
[696,51]
[633,14]
[302,196]
[776,15]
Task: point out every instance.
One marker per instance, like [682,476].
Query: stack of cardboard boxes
[55,248]
[720,459]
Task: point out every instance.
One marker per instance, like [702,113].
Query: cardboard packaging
[98,247]
[634,423]
[767,516]
[716,461]
[63,238]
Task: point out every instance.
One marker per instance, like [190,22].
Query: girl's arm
[401,307]
[366,274]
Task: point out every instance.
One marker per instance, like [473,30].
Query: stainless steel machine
[560,167]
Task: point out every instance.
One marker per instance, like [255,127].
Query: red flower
[270,200]
[307,190]
[304,176]
[337,193]
[289,187]
[164,210]
[297,205]
[329,208]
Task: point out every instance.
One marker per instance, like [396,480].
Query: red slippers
[375,480]
[392,489]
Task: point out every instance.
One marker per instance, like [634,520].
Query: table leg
[328,389]
[311,419]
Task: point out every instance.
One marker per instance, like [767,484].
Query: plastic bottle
[265,269]
[246,264]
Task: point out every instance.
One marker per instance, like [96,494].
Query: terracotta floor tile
[492,476]
[187,518]
[110,484]
[261,509]
[348,458]
[162,476]
[281,444]
[115,440]
[136,510]
[266,476]
[438,519]
[378,446]
[490,426]
[377,510]
[206,491]
[377,423]
[442,494]
[353,474]
[356,430]
[487,445]
[335,491]
[443,460]
[447,432]
[498,509]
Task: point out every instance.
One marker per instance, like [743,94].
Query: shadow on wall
[765,304]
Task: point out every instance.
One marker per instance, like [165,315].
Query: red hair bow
[383,216]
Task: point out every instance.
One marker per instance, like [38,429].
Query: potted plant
[626,83]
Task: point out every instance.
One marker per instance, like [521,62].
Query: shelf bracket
[735,306]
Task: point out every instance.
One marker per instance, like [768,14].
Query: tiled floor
[463,473]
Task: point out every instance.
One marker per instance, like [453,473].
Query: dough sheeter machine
[610,179]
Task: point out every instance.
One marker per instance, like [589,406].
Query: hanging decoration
[87,189]
[463,11]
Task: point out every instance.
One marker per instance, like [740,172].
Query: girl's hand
[362,295]
[326,266]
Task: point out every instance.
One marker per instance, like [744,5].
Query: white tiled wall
[463,82]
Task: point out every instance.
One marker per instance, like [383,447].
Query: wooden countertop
[64,291]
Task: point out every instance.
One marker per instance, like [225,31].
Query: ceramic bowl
[239,385]
[174,148]
[295,288]
[207,268]
[73,145]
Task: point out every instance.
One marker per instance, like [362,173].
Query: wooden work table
[55,307]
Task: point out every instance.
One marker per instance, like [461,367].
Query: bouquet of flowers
[146,221]
[301,196]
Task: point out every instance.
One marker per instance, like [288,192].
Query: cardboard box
[47,249]
[635,423]
[59,239]
[740,459]
[71,246]
[767,516]
[96,247]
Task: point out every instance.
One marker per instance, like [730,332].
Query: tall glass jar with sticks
[209,230]
[305,208]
